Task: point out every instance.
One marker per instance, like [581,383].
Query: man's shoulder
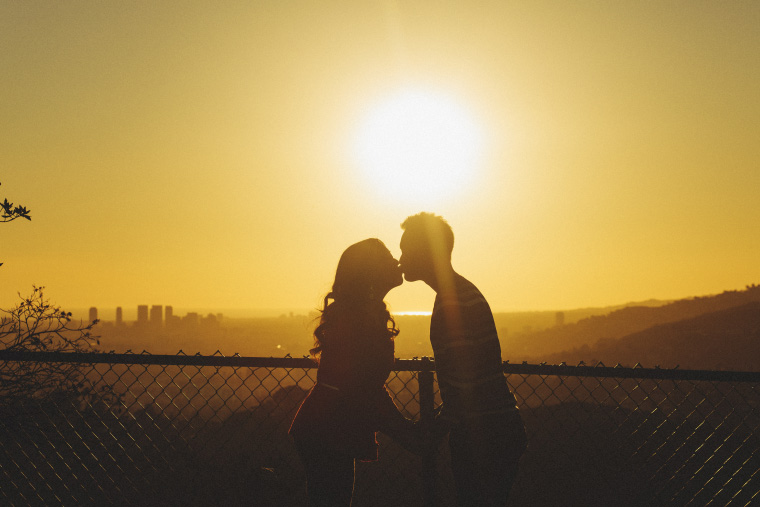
[462,293]
[469,296]
[466,301]
[466,290]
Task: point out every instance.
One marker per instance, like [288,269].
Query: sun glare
[418,146]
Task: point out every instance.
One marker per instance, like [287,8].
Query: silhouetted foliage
[11,212]
[49,406]
[35,324]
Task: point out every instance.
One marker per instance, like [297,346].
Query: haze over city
[222,156]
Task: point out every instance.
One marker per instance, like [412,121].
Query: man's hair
[433,230]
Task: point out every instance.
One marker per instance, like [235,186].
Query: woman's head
[366,271]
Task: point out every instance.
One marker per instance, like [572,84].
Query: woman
[353,345]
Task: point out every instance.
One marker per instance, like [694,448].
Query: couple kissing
[354,349]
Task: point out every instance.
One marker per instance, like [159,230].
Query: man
[487,436]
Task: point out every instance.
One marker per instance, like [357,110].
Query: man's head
[426,247]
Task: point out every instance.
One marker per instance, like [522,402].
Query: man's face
[414,260]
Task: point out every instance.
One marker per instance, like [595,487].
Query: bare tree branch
[36,325]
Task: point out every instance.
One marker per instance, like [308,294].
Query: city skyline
[147,315]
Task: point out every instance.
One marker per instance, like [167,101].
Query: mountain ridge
[678,333]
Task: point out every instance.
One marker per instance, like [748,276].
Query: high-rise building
[142,314]
[156,315]
[119,316]
[171,321]
[93,314]
[559,319]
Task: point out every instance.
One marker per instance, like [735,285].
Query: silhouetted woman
[353,345]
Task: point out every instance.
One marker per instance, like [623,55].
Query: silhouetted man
[487,436]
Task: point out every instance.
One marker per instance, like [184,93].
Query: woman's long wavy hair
[353,297]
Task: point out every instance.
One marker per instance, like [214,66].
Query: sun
[418,146]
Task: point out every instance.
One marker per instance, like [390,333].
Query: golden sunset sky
[214,154]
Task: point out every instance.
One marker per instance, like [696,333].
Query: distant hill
[516,324]
[727,339]
[539,346]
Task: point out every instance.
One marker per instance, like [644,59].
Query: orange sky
[200,153]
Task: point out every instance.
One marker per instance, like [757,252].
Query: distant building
[156,315]
[171,321]
[119,316]
[142,314]
[93,314]
[559,319]
[191,319]
[209,323]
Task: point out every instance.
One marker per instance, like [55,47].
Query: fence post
[425,382]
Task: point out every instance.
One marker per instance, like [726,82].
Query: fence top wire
[415,364]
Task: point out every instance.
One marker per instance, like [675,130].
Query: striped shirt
[468,355]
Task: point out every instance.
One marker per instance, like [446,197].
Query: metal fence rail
[141,429]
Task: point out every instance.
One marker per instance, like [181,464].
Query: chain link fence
[138,429]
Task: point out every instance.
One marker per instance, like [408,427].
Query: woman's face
[389,272]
